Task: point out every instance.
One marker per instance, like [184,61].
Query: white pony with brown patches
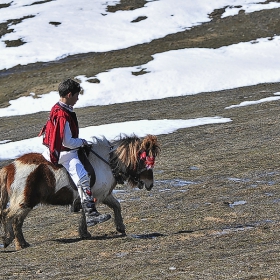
[30,180]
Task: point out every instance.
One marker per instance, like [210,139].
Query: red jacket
[54,130]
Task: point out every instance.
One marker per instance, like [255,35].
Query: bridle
[121,176]
[148,161]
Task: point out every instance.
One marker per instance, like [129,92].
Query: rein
[119,176]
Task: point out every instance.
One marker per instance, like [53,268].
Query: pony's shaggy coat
[31,180]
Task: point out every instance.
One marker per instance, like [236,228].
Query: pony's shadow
[7,251]
[185,231]
[97,237]
[147,235]
[68,241]
[107,237]
[114,236]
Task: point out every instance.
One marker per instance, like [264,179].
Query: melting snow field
[188,70]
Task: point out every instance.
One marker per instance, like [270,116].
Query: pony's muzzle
[148,188]
[147,179]
[140,185]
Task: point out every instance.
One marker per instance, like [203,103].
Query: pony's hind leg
[8,236]
[112,202]
[17,223]
[12,221]
[4,197]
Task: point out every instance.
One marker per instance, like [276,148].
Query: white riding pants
[70,160]
[73,165]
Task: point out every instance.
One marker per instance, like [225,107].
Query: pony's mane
[127,148]
[101,146]
[150,145]
[97,141]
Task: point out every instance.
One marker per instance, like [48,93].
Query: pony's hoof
[85,235]
[22,246]
[6,242]
[121,229]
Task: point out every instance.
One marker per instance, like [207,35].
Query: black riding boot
[93,217]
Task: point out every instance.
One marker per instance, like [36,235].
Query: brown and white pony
[30,180]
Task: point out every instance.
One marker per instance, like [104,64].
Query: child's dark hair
[67,86]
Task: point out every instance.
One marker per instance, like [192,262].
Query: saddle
[83,153]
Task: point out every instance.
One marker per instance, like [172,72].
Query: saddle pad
[83,153]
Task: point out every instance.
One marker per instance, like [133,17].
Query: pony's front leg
[83,232]
[112,202]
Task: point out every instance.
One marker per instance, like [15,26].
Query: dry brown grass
[187,231]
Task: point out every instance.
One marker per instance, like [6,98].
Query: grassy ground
[214,210]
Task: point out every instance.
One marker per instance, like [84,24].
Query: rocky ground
[214,210]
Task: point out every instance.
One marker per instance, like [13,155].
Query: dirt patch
[126,5]
[214,210]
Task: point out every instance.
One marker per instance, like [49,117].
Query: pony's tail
[4,197]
